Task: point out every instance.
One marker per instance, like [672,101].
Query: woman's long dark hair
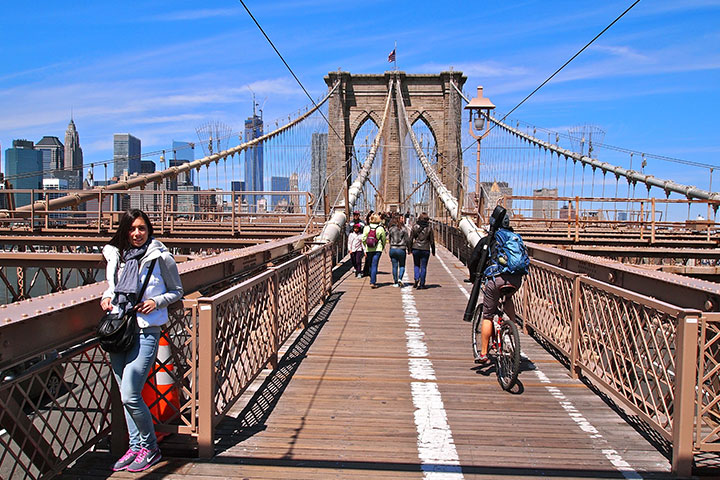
[121,239]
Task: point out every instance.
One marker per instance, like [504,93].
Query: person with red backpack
[374,239]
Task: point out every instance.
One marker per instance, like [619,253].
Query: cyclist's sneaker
[125,460]
[480,359]
[145,459]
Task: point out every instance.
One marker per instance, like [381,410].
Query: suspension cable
[631,175]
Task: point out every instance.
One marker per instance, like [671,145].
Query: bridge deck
[382,385]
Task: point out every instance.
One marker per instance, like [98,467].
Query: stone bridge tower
[428,98]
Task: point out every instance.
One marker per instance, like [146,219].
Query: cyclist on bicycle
[505,265]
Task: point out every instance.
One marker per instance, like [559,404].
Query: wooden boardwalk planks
[341,403]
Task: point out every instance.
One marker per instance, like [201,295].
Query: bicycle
[504,344]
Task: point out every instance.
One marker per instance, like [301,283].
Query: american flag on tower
[391,57]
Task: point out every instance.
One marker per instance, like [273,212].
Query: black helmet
[499,218]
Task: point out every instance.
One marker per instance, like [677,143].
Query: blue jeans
[131,369]
[397,256]
[420,259]
[373,258]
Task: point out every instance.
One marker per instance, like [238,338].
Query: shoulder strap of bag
[147,278]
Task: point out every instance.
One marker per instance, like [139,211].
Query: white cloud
[476,69]
[620,51]
[196,14]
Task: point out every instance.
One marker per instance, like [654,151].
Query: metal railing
[171,211]
[57,402]
[573,217]
[659,360]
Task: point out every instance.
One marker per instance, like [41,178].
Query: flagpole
[395,60]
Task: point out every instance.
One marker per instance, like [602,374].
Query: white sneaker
[395,285]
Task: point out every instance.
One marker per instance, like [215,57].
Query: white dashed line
[436,447]
[612,455]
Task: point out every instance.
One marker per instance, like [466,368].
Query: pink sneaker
[125,460]
[145,459]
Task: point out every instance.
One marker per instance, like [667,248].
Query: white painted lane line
[436,447]
[459,285]
[612,455]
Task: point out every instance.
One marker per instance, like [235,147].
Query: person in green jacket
[374,239]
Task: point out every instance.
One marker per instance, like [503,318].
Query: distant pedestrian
[374,239]
[422,242]
[355,248]
[355,221]
[399,246]
[131,253]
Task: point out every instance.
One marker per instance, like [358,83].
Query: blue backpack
[509,254]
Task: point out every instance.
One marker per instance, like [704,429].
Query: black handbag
[117,332]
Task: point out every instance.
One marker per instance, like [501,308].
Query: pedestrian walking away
[374,239]
[129,255]
[356,249]
[422,242]
[399,246]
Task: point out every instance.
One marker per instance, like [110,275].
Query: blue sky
[158,69]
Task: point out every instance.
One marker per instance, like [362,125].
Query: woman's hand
[147,306]
[106,304]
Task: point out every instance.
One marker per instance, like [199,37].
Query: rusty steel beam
[67,318]
[171,242]
[619,241]
[59,260]
[644,251]
[682,291]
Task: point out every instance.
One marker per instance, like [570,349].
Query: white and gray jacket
[164,286]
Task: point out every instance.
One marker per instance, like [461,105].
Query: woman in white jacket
[128,256]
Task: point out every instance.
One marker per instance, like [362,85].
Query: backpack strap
[147,278]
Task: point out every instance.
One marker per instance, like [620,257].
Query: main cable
[562,67]
[290,69]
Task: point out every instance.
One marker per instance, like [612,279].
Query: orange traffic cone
[160,392]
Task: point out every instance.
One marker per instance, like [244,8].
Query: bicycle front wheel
[476,326]
[508,358]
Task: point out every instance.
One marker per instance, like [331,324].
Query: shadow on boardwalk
[252,419]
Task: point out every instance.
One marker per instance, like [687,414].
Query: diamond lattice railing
[53,410]
[708,402]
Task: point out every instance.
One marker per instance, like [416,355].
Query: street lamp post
[479,109]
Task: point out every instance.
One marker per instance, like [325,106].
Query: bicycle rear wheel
[508,358]
[476,325]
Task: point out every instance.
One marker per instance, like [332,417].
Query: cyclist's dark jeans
[491,292]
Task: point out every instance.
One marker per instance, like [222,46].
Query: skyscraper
[147,166]
[294,199]
[53,153]
[254,179]
[23,168]
[279,184]
[183,152]
[73,159]
[126,154]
